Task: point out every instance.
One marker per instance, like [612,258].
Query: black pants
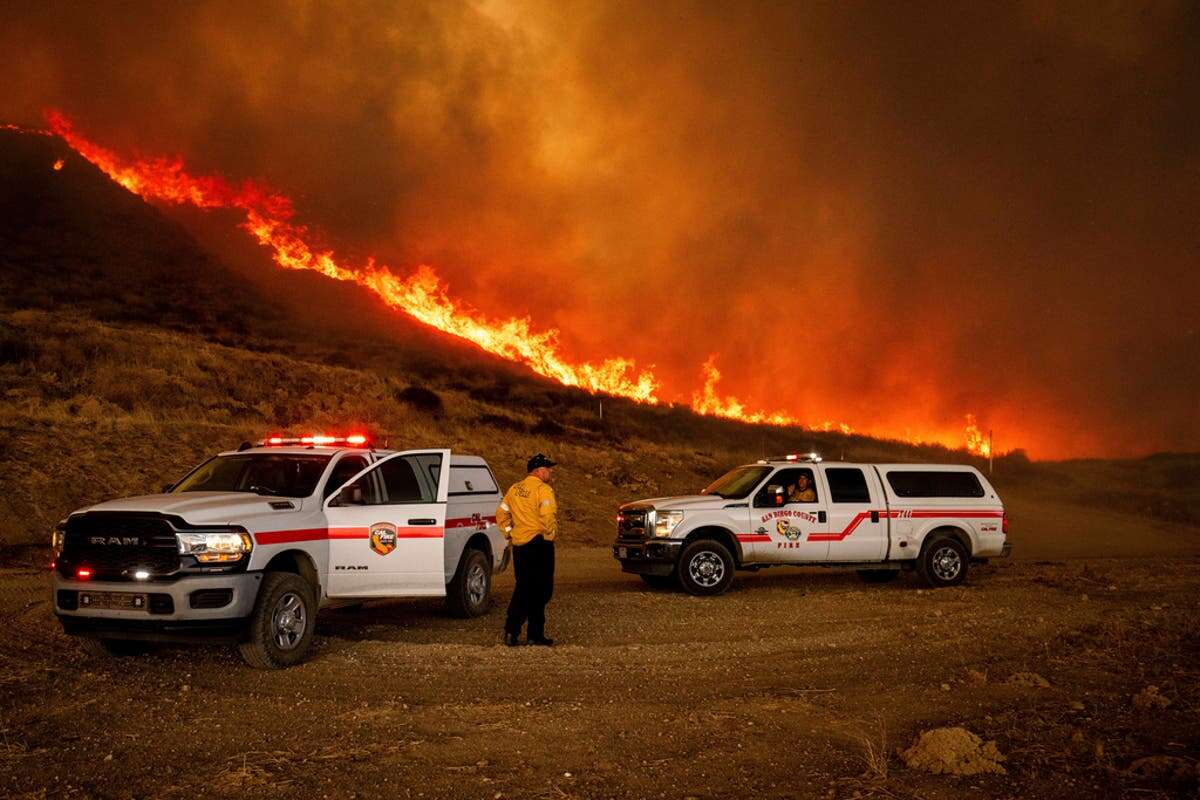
[533,566]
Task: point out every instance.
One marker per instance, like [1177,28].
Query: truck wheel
[469,592]
[879,575]
[661,581]
[114,648]
[705,567]
[943,562]
[281,625]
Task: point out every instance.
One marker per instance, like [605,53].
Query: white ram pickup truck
[250,544]
[796,510]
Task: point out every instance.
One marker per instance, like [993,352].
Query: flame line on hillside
[422,295]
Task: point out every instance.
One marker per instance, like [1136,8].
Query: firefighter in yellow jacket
[528,518]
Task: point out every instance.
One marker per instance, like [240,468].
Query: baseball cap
[539,461]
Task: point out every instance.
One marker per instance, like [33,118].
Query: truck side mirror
[351,495]
[770,496]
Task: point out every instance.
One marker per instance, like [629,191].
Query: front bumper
[189,609]
[648,557]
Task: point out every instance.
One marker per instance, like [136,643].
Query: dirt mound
[1168,769]
[1031,679]
[953,751]
[1150,698]
[977,677]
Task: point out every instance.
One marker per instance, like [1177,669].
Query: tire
[879,575]
[114,648]
[705,568]
[944,562]
[282,623]
[469,593]
[661,581]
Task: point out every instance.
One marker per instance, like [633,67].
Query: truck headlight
[215,545]
[57,539]
[665,522]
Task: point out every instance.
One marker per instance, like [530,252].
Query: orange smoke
[269,219]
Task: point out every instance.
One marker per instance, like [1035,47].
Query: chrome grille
[632,527]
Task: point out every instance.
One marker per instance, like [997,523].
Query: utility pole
[601,401]
[991,452]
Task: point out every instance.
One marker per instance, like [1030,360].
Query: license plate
[120,600]
[622,552]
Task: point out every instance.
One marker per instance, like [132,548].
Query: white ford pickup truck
[796,510]
[249,545]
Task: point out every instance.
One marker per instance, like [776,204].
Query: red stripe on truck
[322,534]
[830,536]
[469,522]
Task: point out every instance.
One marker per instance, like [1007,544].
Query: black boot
[542,641]
[512,639]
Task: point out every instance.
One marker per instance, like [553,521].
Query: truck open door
[386,528]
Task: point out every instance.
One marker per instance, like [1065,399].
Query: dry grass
[254,770]
[874,752]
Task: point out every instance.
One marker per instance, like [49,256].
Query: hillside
[129,352]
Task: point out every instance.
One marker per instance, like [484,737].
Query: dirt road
[789,685]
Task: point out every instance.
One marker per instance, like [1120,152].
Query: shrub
[502,422]
[497,392]
[547,427]
[15,347]
[422,399]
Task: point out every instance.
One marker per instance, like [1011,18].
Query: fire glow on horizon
[269,219]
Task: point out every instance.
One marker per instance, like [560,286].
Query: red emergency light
[83,573]
[316,440]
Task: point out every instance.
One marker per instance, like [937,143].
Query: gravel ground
[796,683]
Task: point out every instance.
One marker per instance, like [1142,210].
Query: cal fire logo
[383,538]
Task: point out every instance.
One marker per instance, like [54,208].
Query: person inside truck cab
[802,490]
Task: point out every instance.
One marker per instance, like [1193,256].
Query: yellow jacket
[527,510]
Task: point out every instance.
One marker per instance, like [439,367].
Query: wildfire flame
[422,295]
[59,164]
[974,439]
[268,217]
[708,401]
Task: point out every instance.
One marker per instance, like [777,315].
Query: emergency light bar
[315,440]
[805,458]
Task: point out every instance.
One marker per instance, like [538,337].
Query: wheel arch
[299,563]
[479,541]
[718,533]
[958,532]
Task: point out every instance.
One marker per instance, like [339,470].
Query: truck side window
[847,485]
[402,480]
[934,483]
[788,486]
[343,471]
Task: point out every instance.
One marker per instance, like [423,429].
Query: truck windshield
[737,483]
[274,474]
